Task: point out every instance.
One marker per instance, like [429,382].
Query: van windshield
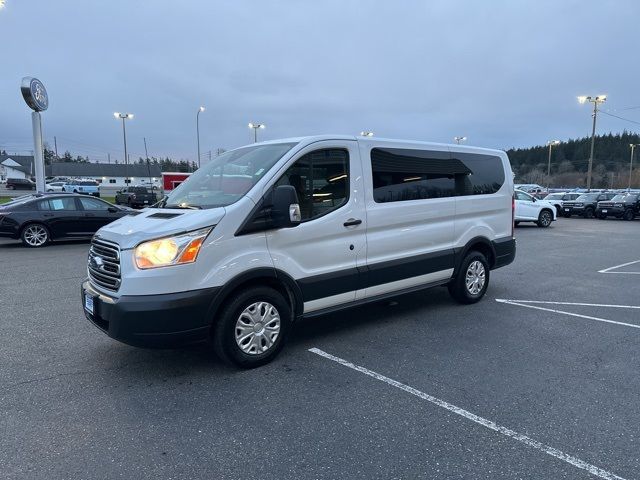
[227,178]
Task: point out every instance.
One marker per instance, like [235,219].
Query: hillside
[570,159]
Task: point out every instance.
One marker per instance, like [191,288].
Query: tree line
[166,164]
[570,162]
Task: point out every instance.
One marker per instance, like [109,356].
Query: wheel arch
[480,244]
[270,277]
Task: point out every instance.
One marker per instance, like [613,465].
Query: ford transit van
[272,232]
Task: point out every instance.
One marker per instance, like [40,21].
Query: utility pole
[147,155]
[200,110]
[109,158]
[633,146]
[55,144]
[595,100]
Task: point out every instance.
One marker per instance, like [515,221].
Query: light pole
[595,100]
[460,139]
[365,133]
[551,143]
[201,109]
[255,127]
[123,117]
[633,146]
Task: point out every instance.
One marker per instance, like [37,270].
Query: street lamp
[123,117]
[595,100]
[366,134]
[551,143]
[460,139]
[200,110]
[633,146]
[255,127]
[2,4]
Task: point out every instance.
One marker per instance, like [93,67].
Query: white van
[271,232]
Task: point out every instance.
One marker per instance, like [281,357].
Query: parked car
[55,186]
[530,209]
[40,218]
[585,205]
[557,198]
[20,184]
[136,197]
[88,187]
[268,233]
[623,205]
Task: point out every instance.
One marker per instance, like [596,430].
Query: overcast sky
[503,73]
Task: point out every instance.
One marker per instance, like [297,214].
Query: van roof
[390,142]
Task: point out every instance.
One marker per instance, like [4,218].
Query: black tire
[558,211]
[29,236]
[601,216]
[628,215]
[588,213]
[224,331]
[516,223]
[129,204]
[458,286]
[545,218]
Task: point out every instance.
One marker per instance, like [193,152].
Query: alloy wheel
[35,235]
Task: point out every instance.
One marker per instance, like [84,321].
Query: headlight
[171,250]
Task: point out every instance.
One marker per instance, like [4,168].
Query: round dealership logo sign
[34,94]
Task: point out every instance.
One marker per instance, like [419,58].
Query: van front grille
[103,264]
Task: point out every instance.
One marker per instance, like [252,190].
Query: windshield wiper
[184,206]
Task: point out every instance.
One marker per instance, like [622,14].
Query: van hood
[152,223]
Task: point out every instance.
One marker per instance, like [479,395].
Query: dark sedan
[40,218]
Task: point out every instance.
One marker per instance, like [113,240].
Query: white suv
[530,209]
[268,233]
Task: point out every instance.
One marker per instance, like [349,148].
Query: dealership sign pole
[36,97]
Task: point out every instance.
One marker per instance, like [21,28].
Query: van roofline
[306,140]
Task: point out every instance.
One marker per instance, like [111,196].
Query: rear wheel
[252,327]
[545,218]
[588,213]
[628,215]
[472,280]
[35,235]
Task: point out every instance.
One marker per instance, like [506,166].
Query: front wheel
[252,327]
[588,213]
[35,235]
[472,280]
[545,218]
[628,215]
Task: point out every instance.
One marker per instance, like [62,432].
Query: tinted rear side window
[406,174]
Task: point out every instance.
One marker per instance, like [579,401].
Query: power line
[621,118]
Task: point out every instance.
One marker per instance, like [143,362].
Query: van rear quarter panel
[486,215]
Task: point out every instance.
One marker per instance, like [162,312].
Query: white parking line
[554,452]
[553,310]
[579,304]
[608,270]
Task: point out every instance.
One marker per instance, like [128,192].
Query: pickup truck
[135,197]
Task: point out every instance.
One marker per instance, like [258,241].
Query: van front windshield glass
[226,178]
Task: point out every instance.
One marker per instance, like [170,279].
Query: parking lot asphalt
[76,404]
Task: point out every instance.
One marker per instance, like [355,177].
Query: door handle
[352,222]
[89,215]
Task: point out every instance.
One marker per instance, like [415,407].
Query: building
[16,166]
[108,174]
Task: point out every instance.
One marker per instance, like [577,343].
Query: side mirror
[285,209]
[112,209]
[119,191]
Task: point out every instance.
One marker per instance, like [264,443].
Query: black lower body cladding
[152,320]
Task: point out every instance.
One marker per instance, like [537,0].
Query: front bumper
[158,321]
[610,212]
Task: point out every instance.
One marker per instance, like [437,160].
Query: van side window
[402,174]
[321,180]
[406,174]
